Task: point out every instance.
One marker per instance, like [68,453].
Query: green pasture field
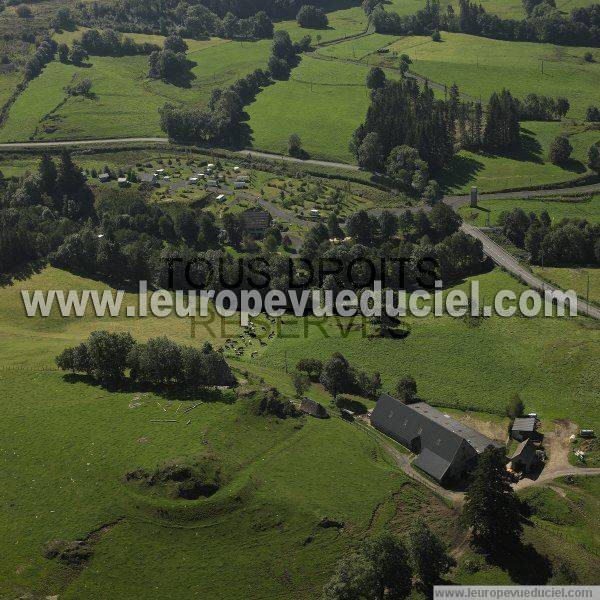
[71,443]
[124,100]
[562,515]
[529,166]
[506,9]
[480,66]
[548,361]
[488,211]
[573,279]
[342,23]
[323,101]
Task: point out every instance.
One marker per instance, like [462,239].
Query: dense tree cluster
[44,53]
[109,42]
[400,114]
[570,242]
[386,566]
[168,64]
[492,510]
[312,17]
[338,376]
[502,130]
[107,356]
[536,107]
[222,120]
[245,19]
[38,210]
[544,22]
[284,54]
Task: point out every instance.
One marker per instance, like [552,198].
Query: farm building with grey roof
[446,448]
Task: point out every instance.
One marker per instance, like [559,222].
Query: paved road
[163,140]
[504,259]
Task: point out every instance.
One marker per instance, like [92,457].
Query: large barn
[446,448]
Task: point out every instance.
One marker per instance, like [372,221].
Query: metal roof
[524,424]
[439,435]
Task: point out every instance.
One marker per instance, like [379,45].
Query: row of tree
[108,356]
[222,121]
[543,24]
[570,242]
[244,19]
[108,42]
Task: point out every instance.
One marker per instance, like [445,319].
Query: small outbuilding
[212,183]
[525,457]
[122,181]
[240,185]
[104,177]
[523,428]
[220,198]
[313,408]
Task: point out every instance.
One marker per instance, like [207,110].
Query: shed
[523,428]
[122,181]
[524,457]
[236,169]
[212,183]
[104,177]
[240,185]
[220,198]
[311,407]
[193,180]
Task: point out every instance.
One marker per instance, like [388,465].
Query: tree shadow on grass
[21,272]
[460,171]
[166,391]
[524,564]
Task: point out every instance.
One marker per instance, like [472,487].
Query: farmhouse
[446,448]
[256,221]
[523,428]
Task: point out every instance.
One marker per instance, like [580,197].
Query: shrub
[23,11]
[560,150]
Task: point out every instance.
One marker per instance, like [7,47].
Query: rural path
[164,140]
[502,258]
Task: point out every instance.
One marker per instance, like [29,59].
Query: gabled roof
[525,451]
[432,463]
[524,424]
[437,431]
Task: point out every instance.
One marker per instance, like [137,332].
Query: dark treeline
[119,236]
[109,42]
[170,62]
[407,132]
[39,210]
[107,357]
[570,242]
[221,121]
[243,19]
[543,23]
[44,53]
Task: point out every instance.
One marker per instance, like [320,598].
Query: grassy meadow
[581,280]
[71,443]
[342,23]
[548,361]
[488,211]
[124,101]
[480,66]
[323,102]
